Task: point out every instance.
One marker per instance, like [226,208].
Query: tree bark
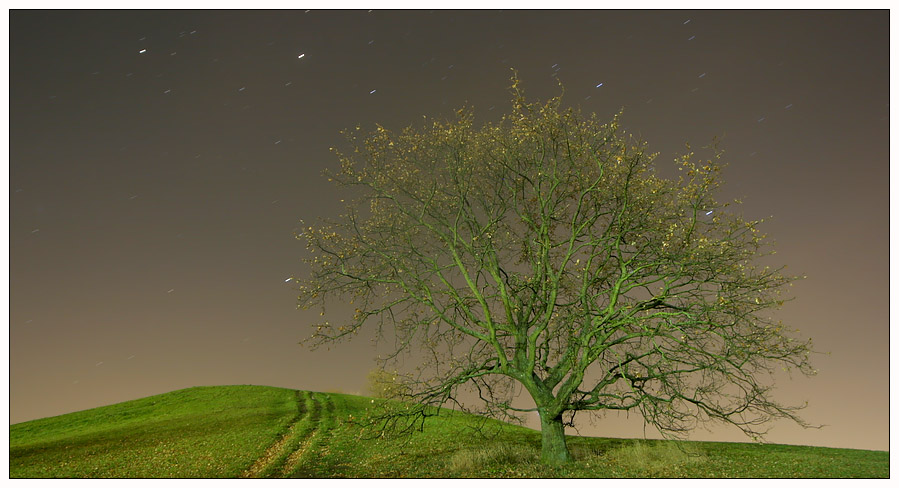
[554,449]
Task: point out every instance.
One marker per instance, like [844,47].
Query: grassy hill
[256,431]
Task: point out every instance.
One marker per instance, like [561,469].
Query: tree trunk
[554,449]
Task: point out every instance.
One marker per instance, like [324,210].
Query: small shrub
[386,384]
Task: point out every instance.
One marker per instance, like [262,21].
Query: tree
[545,251]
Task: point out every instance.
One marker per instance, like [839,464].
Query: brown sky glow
[160,162]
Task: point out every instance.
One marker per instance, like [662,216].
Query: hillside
[255,431]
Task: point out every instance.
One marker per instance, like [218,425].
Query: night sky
[160,162]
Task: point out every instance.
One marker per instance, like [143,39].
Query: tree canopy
[545,251]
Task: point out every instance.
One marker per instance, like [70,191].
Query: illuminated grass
[227,432]
[197,432]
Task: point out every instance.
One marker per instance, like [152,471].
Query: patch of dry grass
[653,458]
[468,461]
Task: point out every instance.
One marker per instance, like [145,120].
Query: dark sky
[160,162]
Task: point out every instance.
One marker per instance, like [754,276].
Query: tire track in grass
[295,467]
[275,452]
[329,430]
[292,463]
[299,438]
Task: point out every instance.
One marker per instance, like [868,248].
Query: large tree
[545,251]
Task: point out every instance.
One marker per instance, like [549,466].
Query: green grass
[252,431]
[197,432]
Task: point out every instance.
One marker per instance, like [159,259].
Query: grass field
[264,432]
